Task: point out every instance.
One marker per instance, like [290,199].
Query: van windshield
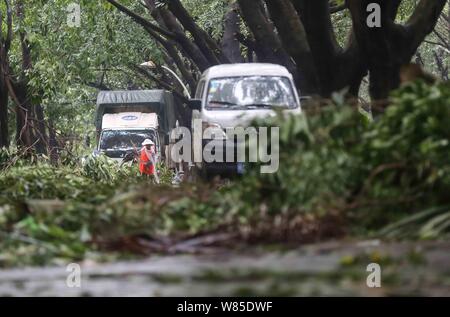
[250,92]
[125,139]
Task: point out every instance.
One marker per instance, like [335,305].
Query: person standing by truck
[147,162]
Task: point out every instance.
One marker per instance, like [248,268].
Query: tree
[30,121]
[387,48]
[437,47]
[50,72]
[300,35]
[5,45]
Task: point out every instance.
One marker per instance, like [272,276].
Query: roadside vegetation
[342,174]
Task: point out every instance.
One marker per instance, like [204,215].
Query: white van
[233,95]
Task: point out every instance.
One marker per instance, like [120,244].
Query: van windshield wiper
[225,103]
[222,102]
[258,106]
[239,106]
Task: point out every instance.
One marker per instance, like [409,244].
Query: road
[326,269]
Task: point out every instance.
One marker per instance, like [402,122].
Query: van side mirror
[195,104]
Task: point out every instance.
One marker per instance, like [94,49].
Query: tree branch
[190,49]
[295,41]
[316,18]
[230,44]
[270,48]
[423,20]
[208,46]
[141,20]
[9,31]
[338,8]
[163,84]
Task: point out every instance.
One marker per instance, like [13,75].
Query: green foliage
[374,173]
[315,160]
[165,174]
[68,61]
[333,163]
[6,155]
[46,212]
[12,157]
[208,14]
[414,135]
[429,224]
[103,169]
[406,153]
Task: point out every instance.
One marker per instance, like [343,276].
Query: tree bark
[295,41]
[5,43]
[231,47]
[172,50]
[386,48]
[189,47]
[316,17]
[423,21]
[349,69]
[299,35]
[269,48]
[4,132]
[53,144]
[31,129]
[174,32]
[206,44]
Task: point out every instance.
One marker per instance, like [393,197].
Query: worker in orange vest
[147,159]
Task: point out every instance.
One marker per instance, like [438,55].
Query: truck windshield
[125,139]
[250,92]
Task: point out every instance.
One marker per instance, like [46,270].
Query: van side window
[200,89]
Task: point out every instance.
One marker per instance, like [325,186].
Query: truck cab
[124,132]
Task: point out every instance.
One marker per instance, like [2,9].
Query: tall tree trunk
[5,44]
[207,45]
[349,69]
[316,18]
[24,133]
[174,31]
[386,48]
[299,35]
[231,47]
[189,47]
[4,133]
[292,34]
[172,50]
[30,121]
[269,48]
[53,144]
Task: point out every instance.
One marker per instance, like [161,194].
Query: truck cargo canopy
[160,102]
[130,120]
[131,97]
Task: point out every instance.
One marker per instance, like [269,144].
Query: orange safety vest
[143,167]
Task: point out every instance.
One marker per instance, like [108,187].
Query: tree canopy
[300,35]
[50,72]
